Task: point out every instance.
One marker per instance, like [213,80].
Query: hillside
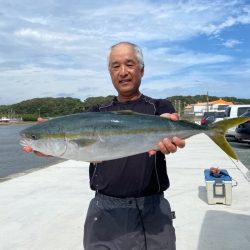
[204,98]
[50,107]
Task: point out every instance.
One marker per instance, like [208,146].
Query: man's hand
[167,146]
[28,149]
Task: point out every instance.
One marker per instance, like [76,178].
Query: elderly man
[129,210]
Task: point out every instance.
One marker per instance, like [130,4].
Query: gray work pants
[129,224]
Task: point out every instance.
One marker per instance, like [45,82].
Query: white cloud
[60,47]
[36,20]
[46,36]
[231,43]
[164,62]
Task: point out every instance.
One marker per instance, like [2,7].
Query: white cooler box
[219,189]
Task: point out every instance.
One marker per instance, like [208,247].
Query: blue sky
[58,48]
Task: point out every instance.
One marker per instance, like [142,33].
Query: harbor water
[13,161]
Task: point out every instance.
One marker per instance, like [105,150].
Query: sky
[58,48]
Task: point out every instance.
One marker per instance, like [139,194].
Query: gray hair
[137,50]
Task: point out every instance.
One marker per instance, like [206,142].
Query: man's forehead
[122,52]
[123,49]
[122,46]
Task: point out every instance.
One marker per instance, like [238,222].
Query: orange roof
[189,106]
[220,101]
[201,104]
[216,102]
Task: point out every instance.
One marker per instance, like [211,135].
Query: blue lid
[224,176]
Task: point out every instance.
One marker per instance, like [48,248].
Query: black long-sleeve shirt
[137,175]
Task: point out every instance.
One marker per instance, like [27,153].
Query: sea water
[13,161]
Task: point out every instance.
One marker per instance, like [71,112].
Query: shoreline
[31,170]
[16,123]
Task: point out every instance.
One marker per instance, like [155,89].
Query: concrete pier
[46,209]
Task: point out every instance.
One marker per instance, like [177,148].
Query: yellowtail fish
[102,136]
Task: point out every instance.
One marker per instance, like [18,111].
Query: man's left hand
[167,146]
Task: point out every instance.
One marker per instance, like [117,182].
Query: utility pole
[207,102]
[179,108]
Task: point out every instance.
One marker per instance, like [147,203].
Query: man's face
[125,70]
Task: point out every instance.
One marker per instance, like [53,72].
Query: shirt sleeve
[164,106]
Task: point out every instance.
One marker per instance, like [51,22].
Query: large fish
[101,136]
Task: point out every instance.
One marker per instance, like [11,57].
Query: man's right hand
[167,146]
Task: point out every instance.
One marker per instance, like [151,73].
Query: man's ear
[142,71]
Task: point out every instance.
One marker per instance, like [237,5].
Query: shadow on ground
[202,193]
[224,231]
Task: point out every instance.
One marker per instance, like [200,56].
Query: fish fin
[217,133]
[221,141]
[83,142]
[224,125]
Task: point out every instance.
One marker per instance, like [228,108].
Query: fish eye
[33,137]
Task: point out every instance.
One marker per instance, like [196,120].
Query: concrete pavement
[45,210]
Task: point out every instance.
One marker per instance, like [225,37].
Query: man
[129,210]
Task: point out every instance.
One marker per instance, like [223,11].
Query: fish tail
[217,133]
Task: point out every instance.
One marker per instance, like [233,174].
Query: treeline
[50,107]
[204,98]
[45,107]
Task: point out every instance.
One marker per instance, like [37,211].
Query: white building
[198,109]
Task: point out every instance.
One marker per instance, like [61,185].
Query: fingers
[173,116]
[151,152]
[28,149]
[40,119]
[166,146]
[180,143]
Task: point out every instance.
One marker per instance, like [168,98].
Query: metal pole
[207,102]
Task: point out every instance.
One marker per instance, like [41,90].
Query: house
[198,109]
